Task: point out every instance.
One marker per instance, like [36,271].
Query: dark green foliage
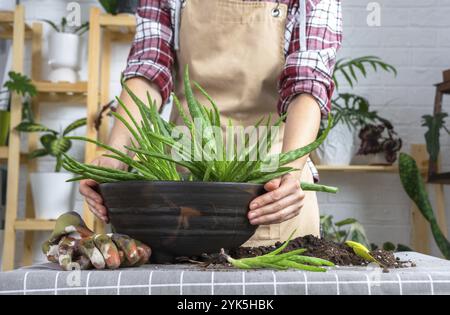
[53,143]
[414,186]
[434,123]
[110,6]
[20,84]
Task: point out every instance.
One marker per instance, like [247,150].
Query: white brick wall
[414,36]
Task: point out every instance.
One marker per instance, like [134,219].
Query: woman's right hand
[89,188]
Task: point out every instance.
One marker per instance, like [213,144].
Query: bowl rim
[184,182]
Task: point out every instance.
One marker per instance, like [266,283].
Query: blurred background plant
[352,113]
[63,27]
[350,108]
[351,230]
[380,138]
[115,7]
[435,124]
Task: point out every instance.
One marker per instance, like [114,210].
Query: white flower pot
[64,57]
[7,5]
[63,75]
[338,148]
[52,195]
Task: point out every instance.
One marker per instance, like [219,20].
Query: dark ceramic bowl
[181,218]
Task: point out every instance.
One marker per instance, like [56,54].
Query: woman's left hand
[283,201]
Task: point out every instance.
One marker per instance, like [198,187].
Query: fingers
[108,250]
[88,188]
[279,216]
[290,200]
[285,186]
[99,210]
[273,184]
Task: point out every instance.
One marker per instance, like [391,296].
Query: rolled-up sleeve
[151,55]
[310,71]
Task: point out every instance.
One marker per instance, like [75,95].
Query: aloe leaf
[288,157]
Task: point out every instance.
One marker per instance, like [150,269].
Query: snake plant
[160,147]
[414,186]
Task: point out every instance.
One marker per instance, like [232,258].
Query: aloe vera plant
[281,261]
[159,147]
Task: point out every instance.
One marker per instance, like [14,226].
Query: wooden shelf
[122,27]
[7,25]
[4,154]
[358,168]
[61,87]
[61,91]
[34,225]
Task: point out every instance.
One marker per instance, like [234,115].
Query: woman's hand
[283,201]
[89,188]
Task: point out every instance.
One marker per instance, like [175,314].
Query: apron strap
[301,18]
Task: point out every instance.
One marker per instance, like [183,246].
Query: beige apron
[234,50]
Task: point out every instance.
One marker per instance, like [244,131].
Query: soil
[339,254]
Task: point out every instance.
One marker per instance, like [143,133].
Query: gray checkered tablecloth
[431,276]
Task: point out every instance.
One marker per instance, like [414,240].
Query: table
[430,276]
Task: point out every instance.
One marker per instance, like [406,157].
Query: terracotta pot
[181,218]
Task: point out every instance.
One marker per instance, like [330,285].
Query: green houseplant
[350,110]
[22,85]
[4,117]
[64,50]
[52,195]
[415,188]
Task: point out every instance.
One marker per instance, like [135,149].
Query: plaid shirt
[308,71]
[152,54]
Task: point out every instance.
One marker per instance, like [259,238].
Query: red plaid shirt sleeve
[311,71]
[151,55]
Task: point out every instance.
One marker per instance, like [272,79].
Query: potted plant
[22,85]
[379,144]
[123,6]
[211,198]
[350,110]
[7,5]
[64,51]
[52,196]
